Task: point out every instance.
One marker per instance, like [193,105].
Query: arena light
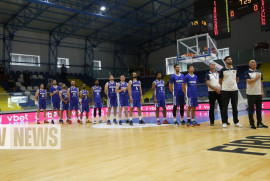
[102,8]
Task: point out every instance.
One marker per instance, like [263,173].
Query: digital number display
[245,2]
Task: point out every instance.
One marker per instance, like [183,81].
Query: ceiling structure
[140,25]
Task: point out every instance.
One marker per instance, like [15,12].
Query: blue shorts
[123,101]
[178,100]
[64,106]
[161,102]
[42,105]
[74,105]
[98,105]
[55,105]
[192,102]
[136,103]
[84,107]
[112,102]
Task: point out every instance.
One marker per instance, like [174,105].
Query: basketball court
[148,152]
[94,47]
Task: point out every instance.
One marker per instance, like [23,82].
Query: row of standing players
[123,94]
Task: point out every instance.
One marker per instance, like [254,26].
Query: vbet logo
[26,136]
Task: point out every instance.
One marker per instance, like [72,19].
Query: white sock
[164,118]
[130,118]
[140,117]
[174,119]
[157,119]
[193,119]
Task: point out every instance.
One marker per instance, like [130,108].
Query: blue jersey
[160,89]
[55,97]
[42,95]
[97,94]
[85,99]
[111,89]
[135,90]
[73,93]
[191,82]
[123,86]
[64,95]
[177,81]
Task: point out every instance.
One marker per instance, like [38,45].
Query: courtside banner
[30,136]
[24,118]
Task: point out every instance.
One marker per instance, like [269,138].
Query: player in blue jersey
[135,95]
[41,97]
[84,95]
[73,97]
[96,101]
[121,89]
[64,105]
[190,89]
[109,90]
[159,97]
[175,85]
[55,99]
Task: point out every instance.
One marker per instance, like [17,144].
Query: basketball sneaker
[88,121]
[109,122]
[195,123]
[212,124]
[100,121]
[176,123]
[183,122]
[46,122]
[95,122]
[52,121]
[141,122]
[78,121]
[131,123]
[38,122]
[224,125]
[189,123]
[261,125]
[228,123]
[158,122]
[81,122]
[166,122]
[127,121]
[61,121]
[70,122]
[120,122]
[114,121]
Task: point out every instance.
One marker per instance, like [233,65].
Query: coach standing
[214,91]
[228,79]
[254,94]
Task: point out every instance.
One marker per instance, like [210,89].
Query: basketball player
[121,89]
[73,96]
[64,102]
[84,95]
[175,85]
[54,93]
[159,97]
[254,94]
[190,89]
[41,96]
[135,95]
[96,101]
[112,99]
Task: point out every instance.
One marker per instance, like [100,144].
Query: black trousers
[213,96]
[226,97]
[254,100]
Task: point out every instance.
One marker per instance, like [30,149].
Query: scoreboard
[214,16]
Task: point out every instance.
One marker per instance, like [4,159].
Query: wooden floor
[154,153]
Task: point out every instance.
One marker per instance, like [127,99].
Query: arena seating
[40,77]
